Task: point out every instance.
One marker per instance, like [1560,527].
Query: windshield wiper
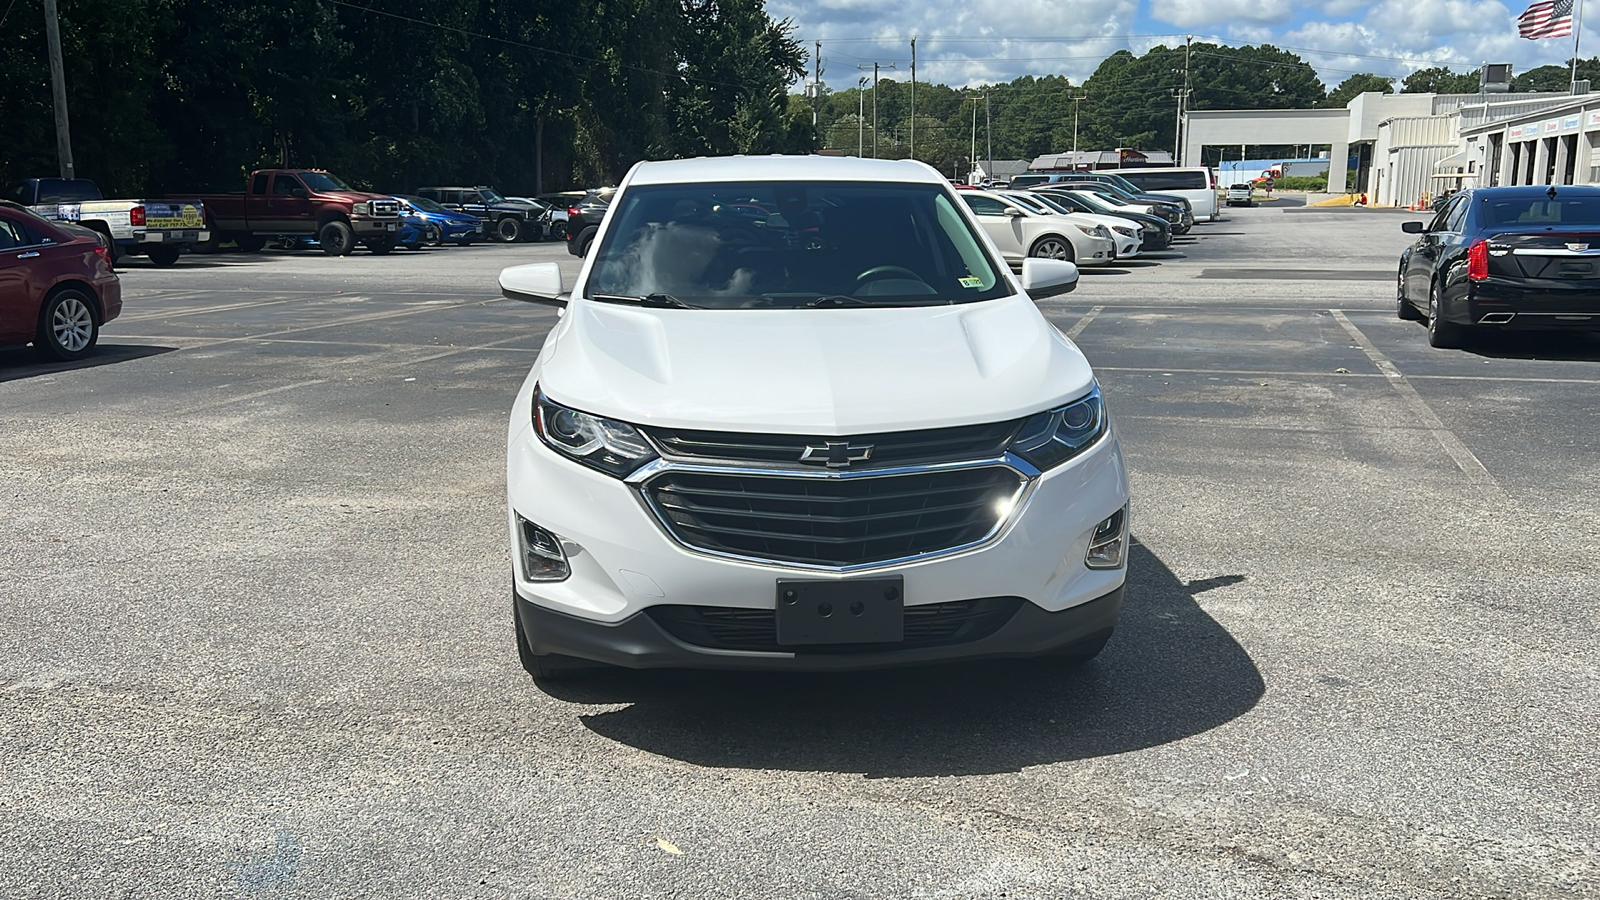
[838,300]
[652,301]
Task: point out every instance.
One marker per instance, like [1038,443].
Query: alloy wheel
[1052,248]
[72,324]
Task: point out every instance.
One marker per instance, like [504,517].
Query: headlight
[359,209]
[615,448]
[1128,232]
[1051,438]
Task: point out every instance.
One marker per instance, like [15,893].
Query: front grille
[900,448]
[931,625]
[835,522]
[384,208]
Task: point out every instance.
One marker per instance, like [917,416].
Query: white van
[1197,185]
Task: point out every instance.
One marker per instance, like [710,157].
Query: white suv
[798,414]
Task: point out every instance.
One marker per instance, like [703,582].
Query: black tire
[1442,334]
[584,242]
[163,255]
[380,246]
[1052,247]
[1402,307]
[542,666]
[558,231]
[69,326]
[210,244]
[250,243]
[336,238]
[509,229]
[1180,229]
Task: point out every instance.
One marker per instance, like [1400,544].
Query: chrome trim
[1018,500]
[1496,318]
[1552,251]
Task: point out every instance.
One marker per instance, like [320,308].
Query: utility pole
[1177,155]
[974,155]
[1180,94]
[816,85]
[875,67]
[58,88]
[861,115]
[913,152]
[1076,97]
[988,133]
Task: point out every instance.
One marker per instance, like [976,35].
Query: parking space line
[352,320]
[1074,331]
[144,317]
[1464,459]
[252,396]
[1245,373]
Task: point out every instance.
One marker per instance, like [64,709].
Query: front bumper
[366,226]
[623,564]
[639,642]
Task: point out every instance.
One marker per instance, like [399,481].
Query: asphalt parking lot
[255,631]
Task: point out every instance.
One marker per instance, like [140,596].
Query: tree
[1348,89]
[1557,78]
[1440,80]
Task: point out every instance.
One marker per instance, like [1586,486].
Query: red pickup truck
[290,202]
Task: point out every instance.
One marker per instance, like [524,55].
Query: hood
[354,196]
[813,371]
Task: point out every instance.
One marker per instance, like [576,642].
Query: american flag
[1546,19]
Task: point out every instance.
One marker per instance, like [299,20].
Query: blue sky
[963,42]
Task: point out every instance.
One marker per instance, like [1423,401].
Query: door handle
[29,255]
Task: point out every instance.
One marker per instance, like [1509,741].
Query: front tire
[68,327]
[163,255]
[250,243]
[1402,307]
[336,238]
[1442,334]
[1051,247]
[509,229]
[381,246]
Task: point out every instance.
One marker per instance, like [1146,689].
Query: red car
[57,286]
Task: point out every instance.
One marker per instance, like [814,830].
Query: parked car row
[1084,223]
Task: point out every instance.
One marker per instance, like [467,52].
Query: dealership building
[1406,148]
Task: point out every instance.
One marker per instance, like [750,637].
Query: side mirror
[1011,212]
[534,283]
[1413,227]
[1043,278]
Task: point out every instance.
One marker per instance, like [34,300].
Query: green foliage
[1440,80]
[1557,78]
[191,94]
[1348,89]
[1315,183]
[1129,102]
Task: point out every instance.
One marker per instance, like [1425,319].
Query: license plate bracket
[857,611]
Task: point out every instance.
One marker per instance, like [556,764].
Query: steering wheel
[877,272]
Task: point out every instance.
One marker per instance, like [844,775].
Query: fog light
[542,558]
[1107,546]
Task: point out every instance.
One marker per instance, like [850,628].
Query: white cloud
[1191,13]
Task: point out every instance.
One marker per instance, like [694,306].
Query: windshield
[322,181]
[1028,202]
[423,203]
[1052,204]
[1092,201]
[490,195]
[782,245]
[1127,186]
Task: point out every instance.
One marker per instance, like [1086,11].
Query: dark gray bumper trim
[637,642]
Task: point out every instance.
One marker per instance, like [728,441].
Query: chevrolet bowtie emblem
[837,454]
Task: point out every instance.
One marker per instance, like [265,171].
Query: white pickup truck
[158,229]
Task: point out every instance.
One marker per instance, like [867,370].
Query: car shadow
[1563,346]
[23,362]
[1170,672]
[1104,270]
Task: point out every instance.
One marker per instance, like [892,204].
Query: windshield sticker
[968,281]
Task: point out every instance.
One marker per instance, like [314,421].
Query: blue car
[448,225]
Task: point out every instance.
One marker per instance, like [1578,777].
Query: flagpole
[1577,33]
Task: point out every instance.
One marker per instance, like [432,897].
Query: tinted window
[322,181]
[1026,180]
[984,206]
[1177,180]
[284,185]
[12,235]
[755,245]
[1456,214]
[1541,210]
[59,190]
[258,184]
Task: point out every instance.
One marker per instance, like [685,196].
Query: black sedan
[1157,233]
[1504,258]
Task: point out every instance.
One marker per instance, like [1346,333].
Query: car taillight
[104,253]
[136,216]
[572,210]
[1478,261]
